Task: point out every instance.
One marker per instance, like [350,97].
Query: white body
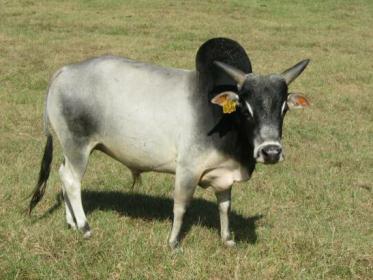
[149,118]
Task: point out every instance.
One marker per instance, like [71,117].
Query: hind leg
[71,173]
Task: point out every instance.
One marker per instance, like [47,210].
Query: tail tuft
[45,168]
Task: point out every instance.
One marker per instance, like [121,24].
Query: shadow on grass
[141,206]
[147,207]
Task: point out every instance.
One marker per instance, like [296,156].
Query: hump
[224,50]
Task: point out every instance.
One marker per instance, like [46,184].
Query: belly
[141,154]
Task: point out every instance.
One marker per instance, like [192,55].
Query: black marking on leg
[67,200]
[86,228]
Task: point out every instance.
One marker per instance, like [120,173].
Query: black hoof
[87,233]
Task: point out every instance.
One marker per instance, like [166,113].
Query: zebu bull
[209,127]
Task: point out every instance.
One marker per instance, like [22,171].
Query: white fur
[283,107]
[250,109]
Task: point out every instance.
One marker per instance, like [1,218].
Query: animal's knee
[69,182]
[224,206]
[179,208]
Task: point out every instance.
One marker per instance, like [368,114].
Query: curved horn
[233,72]
[293,72]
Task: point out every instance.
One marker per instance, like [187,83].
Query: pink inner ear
[219,99]
[302,101]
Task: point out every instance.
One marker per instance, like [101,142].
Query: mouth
[269,161]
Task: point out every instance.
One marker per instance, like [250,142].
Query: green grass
[310,217]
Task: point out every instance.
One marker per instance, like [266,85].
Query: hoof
[229,243]
[71,226]
[87,233]
[173,244]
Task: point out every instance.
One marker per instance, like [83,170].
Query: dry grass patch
[308,218]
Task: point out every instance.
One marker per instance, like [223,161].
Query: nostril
[271,150]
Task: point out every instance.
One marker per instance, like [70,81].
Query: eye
[284,107]
[249,109]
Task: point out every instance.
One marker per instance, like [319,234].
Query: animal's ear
[297,101]
[293,72]
[228,100]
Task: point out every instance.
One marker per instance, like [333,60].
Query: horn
[293,72]
[233,72]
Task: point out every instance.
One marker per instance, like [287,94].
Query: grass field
[310,217]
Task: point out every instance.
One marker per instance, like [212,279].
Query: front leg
[224,204]
[185,185]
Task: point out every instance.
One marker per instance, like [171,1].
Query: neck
[234,140]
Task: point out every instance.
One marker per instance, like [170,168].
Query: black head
[262,102]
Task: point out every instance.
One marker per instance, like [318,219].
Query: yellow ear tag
[229,106]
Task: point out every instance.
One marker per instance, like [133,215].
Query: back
[136,110]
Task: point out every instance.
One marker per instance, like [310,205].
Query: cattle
[208,126]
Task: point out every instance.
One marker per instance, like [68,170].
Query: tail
[45,168]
